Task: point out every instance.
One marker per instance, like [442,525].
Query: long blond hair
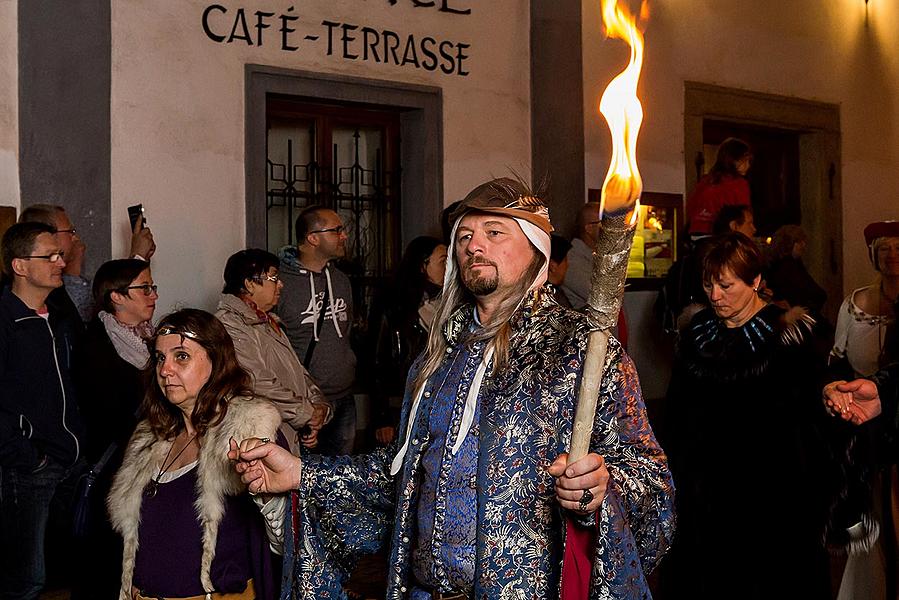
[498,332]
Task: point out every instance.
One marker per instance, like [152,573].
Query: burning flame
[624,114]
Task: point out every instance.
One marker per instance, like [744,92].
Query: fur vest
[216,478]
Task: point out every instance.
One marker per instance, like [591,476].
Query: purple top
[171,547]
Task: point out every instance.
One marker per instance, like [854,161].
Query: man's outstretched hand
[265,467]
[857,401]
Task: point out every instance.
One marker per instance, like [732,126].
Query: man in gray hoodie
[316,309]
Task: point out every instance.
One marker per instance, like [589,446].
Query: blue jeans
[27,501]
[338,436]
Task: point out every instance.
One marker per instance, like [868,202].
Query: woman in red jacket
[724,185]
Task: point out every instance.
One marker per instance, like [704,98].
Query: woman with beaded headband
[189,530]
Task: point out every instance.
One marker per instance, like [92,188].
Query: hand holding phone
[142,244]
[134,213]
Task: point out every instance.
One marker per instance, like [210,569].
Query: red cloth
[707,199]
[622,329]
[577,564]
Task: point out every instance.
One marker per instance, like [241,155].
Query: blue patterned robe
[351,505]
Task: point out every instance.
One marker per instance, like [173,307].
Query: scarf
[130,342]
[263,316]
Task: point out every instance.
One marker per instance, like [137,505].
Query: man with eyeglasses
[580,258]
[76,293]
[576,282]
[40,431]
[316,309]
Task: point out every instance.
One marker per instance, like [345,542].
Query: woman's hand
[319,414]
[265,467]
[573,481]
[857,401]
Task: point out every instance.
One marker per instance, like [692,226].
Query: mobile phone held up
[137,212]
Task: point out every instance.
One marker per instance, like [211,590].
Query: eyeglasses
[266,276]
[338,230]
[147,288]
[72,231]
[56,256]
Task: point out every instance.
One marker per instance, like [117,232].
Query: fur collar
[216,478]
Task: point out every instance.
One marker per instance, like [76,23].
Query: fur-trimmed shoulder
[796,324]
[246,417]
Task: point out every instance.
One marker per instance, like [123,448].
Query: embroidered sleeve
[273,512]
[342,510]
[639,477]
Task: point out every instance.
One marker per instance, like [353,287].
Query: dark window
[345,157]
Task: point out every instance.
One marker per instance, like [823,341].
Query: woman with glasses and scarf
[189,531]
[252,289]
[114,345]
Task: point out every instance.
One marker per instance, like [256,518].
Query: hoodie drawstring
[315,314]
[315,332]
[331,301]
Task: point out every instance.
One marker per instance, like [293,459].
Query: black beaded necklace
[153,486]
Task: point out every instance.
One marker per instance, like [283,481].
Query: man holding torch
[477,495]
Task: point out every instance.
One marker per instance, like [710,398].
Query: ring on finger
[586,499]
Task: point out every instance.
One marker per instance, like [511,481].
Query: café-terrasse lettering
[345,40]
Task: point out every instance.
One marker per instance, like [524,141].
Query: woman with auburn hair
[743,439]
[189,531]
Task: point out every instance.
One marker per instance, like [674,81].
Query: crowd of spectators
[93,392]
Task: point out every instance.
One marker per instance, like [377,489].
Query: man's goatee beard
[482,286]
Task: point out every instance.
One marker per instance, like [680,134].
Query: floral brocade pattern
[349,505]
[443,555]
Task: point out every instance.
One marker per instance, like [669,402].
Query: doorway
[313,138]
[796,167]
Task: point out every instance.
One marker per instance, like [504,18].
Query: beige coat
[277,373]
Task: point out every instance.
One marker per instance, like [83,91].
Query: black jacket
[109,391]
[38,410]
